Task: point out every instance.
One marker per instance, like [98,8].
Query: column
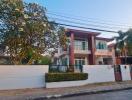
[71,53]
[91,46]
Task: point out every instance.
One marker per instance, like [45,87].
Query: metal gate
[131,71]
[65,68]
[117,71]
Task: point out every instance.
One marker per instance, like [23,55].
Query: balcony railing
[103,53]
[82,51]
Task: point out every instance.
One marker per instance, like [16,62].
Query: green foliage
[124,42]
[63,38]
[45,60]
[58,77]
[4,61]
[120,39]
[26,31]
[129,42]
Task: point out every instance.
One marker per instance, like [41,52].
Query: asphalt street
[119,95]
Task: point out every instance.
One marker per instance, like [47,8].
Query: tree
[124,42]
[120,41]
[44,60]
[129,42]
[27,32]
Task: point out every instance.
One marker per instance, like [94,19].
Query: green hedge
[58,77]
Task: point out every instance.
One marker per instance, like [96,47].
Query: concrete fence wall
[96,74]
[33,76]
[105,73]
[21,76]
[99,73]
[66,84]
[125,72]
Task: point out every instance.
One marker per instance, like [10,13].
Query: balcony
[103,53]
[82,51]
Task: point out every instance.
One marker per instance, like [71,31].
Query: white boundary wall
[99,73]
[96,74]
[22,76]
[65,84]
[125,72]
[33,76]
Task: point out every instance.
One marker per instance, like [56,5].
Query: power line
[82,27]
[88,19]
[65,20]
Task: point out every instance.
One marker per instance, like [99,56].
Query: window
[80,45]
[105,46]
[101,45]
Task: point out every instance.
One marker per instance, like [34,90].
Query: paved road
[120,95]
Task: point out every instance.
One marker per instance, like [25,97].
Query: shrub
[58,77]
[44,60]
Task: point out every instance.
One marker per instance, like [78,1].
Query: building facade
[85,48]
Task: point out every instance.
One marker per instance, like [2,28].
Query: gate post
[117,71]
[130,71]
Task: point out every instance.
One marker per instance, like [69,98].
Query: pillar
[91,47]
[71,53]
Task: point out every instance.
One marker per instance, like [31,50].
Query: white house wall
[98,59]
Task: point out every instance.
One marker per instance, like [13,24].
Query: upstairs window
[83,45]
[80,45]
[101,45]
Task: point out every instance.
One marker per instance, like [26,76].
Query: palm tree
[124,44]
[120,43]
[129,41]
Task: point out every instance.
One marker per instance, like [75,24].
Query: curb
[79,93]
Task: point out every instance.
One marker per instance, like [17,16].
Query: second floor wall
[81,45]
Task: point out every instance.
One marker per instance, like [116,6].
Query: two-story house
[85,48]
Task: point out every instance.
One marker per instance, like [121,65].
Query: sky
[111,15]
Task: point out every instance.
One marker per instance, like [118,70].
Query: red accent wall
[91,46]
[72,49]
